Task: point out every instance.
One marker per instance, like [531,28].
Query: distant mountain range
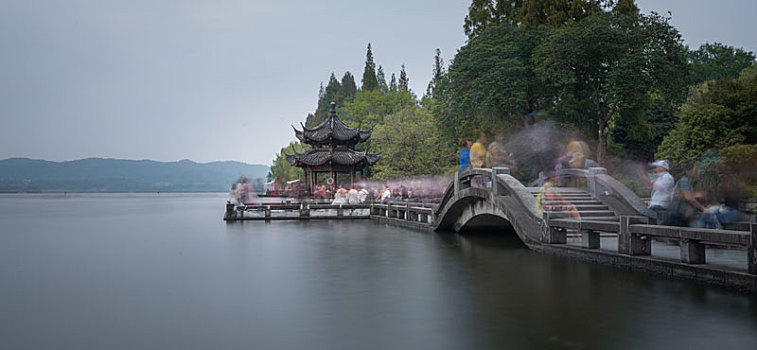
[119,175]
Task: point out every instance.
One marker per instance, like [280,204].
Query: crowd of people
[477,154]
[242,192]
[681,203]
[418,189]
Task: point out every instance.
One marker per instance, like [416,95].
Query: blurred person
[340,196]
[662,184]
[478,159]
[728,210]
[577,151]
[478,152]
[550,201]
[465,146]
[386,195]
[498,156]
[353,197]
[684,207]
[362,194]
[234,196]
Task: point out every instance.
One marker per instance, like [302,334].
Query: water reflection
[163,273]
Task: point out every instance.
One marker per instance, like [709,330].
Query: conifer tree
[393,84]
[437,74]
[381,80]
[369,73]
[404,81]
[348,85]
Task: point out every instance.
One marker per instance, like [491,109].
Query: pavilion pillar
[352,178]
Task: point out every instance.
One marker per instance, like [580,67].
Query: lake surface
[148,271]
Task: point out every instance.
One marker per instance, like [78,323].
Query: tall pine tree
[381,80]
[404,81]
[369,73]
[348,86]
[393,84]
[437,74]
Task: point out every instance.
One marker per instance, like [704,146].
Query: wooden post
[340,211]
[230,214]
[752,250]
[388,210]
[407,210]
[629,243]
[692,252]
[267,213]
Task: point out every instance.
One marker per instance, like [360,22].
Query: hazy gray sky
[224,79]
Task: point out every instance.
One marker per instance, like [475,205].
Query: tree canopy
[533,13]
[717,114]
[717,61]
[620,60]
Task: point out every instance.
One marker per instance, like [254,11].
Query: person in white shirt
[386,195]
[662,190]
[353,197]
[362,194]
[340,196]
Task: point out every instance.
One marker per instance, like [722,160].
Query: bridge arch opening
[487,223]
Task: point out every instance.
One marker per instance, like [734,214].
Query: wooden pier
[409,211]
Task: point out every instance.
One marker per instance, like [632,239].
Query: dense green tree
[410,145]
[748,73]
[718,61]
[622,60]
[348,85]
[393,84]
[370,82]
[717,114]
[370,107]
[281,170]
[490,83]
[639,137]
[533,13]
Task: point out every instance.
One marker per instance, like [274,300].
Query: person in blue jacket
[465,154]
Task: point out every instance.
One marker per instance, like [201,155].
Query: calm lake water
[148,271]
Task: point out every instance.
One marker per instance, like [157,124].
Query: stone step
[577,198]
[604,218]
[596,213]
[580,202]
[591,207]
[566,193]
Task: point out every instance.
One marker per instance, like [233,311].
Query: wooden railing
[635,237]
[304,211]
[411,211]
[405,211]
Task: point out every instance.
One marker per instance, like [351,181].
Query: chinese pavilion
[333,150]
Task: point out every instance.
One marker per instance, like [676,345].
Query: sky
[224,79]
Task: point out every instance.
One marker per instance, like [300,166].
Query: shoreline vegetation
[600,71]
